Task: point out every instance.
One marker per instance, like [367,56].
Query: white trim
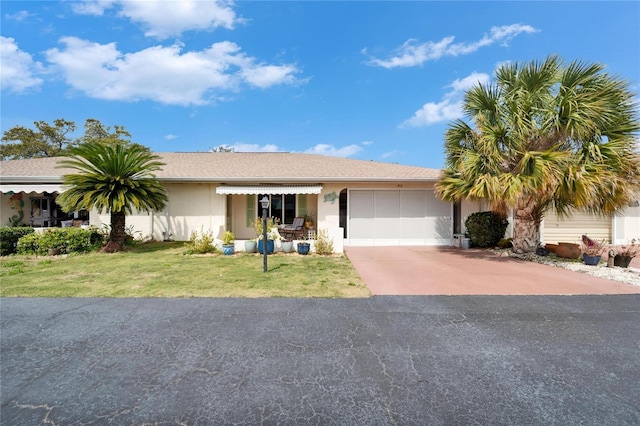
[272,189]
[34,187]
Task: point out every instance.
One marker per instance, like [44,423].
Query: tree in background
[116,178]
[48,140]
[546,135]
[95,131]
[45,141]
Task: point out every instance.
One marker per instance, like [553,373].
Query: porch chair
[296,229]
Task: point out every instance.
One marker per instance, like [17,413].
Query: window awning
[273,189]
[31,187]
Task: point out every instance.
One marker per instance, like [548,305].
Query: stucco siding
[627,225]
[195,207]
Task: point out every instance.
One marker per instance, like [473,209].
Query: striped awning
[31,187]
[271,189]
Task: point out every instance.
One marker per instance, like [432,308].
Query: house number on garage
[332,197]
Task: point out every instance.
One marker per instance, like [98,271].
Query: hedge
[9,237]
[68,240]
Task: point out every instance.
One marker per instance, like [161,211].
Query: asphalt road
[381,361]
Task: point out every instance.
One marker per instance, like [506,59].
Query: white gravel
[615,273]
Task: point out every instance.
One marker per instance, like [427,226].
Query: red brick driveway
[454,271]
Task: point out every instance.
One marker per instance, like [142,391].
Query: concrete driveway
[453,271]
[386,360]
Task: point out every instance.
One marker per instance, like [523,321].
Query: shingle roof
[240,167]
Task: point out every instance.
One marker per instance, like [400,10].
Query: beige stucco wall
[627,225]
[191,207]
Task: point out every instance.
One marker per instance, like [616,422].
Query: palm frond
[115,178]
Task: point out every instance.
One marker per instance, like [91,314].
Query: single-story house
[357,202]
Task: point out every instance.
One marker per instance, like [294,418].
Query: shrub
[131,239]
[9,237]
[228,238]
[505,243]
[486,228]
[201,242]
[324,245]
[68,240]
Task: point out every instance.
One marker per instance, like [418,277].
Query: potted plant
[308,221]
[591,251]
[303,247]
[625,252]
[272,234]
[228,246]
[287,245]
[250,246]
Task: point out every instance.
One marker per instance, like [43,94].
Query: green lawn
[164,270]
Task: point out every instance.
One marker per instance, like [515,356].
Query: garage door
[570,229]
[397,217]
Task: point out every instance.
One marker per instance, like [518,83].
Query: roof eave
[295,180]
[30,179]
[280,179]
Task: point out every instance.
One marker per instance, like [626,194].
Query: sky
[370,80]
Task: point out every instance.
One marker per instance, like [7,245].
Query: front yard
[163,270]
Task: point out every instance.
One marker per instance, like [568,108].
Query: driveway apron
[452,271]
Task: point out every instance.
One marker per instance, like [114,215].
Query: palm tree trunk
[526,227]
[117,234]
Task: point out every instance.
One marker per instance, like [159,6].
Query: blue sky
[368,80]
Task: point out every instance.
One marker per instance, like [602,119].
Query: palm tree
[117,178]
[547,135]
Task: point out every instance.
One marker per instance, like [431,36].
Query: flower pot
[250,246]
[270,246]
[287,246]
[303,248]
[590,260]
[228,249]
[622,261]
[568,250]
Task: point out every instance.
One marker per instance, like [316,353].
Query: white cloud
[432,113]
[450,107]
[170,137]
[252,147]
[412,53]
[391,154]
[462,85]
[325,149]
[367,143]
[18,16]
[91,7]
[267,75]
[164,19]
[163,74]
[17,68]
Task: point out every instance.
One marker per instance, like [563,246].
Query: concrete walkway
[386,360]
[454,271]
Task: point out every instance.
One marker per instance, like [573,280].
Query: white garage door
[398,217]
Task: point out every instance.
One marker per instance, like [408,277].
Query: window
[281,206]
